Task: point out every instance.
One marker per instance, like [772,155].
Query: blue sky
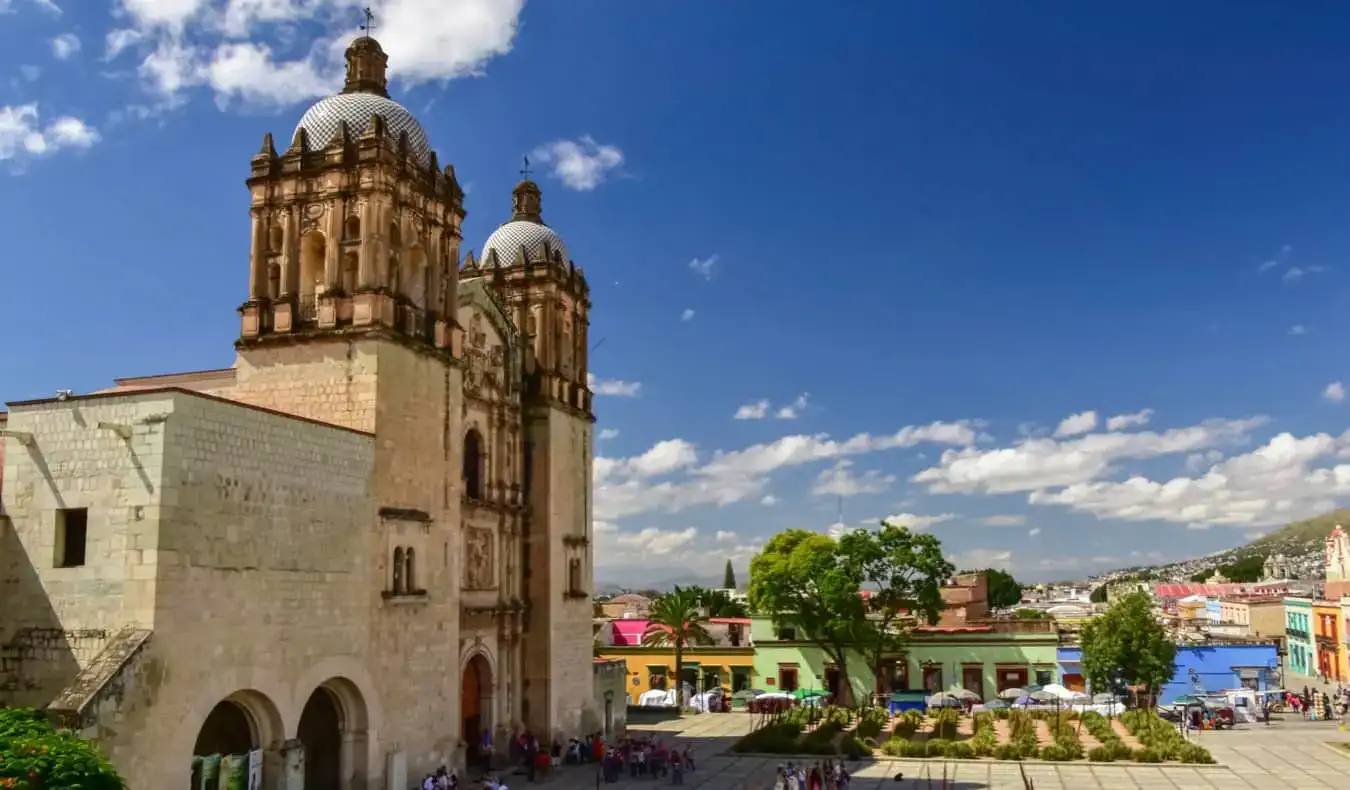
[972,220]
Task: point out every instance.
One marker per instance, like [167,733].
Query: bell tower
[549,300]
[355,227]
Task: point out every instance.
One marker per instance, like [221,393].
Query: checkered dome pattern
[322,121]
[538,240]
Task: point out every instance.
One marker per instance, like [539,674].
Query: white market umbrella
[1012,693]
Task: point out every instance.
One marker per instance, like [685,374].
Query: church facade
[365,543]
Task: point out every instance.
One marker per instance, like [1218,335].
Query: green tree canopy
[729,577]
[1031,614]
[677,620]
[35,756]
[1244,569]
[1098,594]
[720,604]
[1127,646]
[1004,590]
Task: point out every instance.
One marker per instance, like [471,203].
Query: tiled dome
[322,121]
[538,239]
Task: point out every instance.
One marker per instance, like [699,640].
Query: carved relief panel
[479,572]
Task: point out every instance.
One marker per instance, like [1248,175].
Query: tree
[1004,590]
[1031,614]
[1098,594]
[35,756]
[802,580]
[720,604]
[1128,646]
[729,577]
[677,620]
[904,571]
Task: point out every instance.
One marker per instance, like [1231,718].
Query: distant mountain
[1298,537]
[616,581]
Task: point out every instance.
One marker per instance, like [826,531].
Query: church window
[273,280]
[574,581]
[350,268]
[351,229]
[527,469]
[313,251]
[275,238]
[72,537]
[409,579]
[473,464]
[400,584]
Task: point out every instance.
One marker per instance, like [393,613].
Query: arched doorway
[233,736]
[332,730]
[321,733]
[475,700]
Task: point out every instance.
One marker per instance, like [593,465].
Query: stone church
[363,544]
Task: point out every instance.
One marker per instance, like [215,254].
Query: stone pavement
[1285,755]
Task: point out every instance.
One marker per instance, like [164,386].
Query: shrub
[1147,755]
[937,747]
[895,747]
[1007,751]
[1194,753]
[908,723]
[961,750]
[1101,754]
[871,723]
[853,748]
[33,754]
[776,738]
[1055,753]
[945,724]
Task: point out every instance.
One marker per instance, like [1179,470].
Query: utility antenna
[598,343]
[368,26]
[526,171]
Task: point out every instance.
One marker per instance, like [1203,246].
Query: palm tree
[720,604]
[677,619]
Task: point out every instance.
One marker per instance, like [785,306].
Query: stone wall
[609,698]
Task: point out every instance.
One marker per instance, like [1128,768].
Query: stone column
[257,270]
[332,251]
[366,264]
[355,747]
[289,269]
[292,766]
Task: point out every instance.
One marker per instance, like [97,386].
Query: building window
[473,464]
[527,470]
[932,679]
[400,585]
[574,581]
[787,634]
[740,679]
[787,678]
[972,679]
[72,537]
[409,580]
[1044,677]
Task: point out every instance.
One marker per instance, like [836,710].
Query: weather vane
[369,25]
[526,171]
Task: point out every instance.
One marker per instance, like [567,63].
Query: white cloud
[982,558]
[1136,420]
[752,411]
[21,134]
[768,500]
[1076,424]
[839,480]
[1281,481]
[703,267]
[49,6]
[915,521]
[30,73]
[623,487]
[1334,392]
[613,387]
[1297,273]
[581,164]
[185,44]
[1035,464]
[1004,521]
[609,433]
[1196,462]
[667,551]
[1298,329]
[1033,532]
[723,536]
[65,45]
[793,410]
[687,315]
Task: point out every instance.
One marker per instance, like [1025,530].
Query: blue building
[1298,613]
[1214,610]
[1199,667]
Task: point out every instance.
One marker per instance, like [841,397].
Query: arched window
[275,238]
[409,580]
[313,252]
[473,464]
[351,229]
[398,571]
[350,269]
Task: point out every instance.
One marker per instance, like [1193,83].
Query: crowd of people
[647,757]
[1317,705]
[828,775]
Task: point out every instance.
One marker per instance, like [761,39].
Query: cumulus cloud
[65,46]
[839,480]
[1076,424]
[1004,521]
[762,408]
[1136,420]
[768,500]
[613,387]
[1298,329]
[916,522]
[703,267]
[1033,532]
[793,410]
[667,550]
[723,536]
[753,411]
[180,45]
[22,134]
[609,433]
[581,164]
[1034,464]
[626,487]
[687,315]
[1334,392]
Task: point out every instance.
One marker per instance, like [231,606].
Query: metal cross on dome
[526,171]
[369,25]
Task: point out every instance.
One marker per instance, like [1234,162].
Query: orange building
[1327,635]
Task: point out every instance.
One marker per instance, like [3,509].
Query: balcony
[1298,633]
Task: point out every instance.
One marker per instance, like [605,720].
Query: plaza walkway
[1286,755]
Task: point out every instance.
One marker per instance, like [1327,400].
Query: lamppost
[600,763]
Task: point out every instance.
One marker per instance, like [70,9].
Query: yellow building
[728,662]
[1327,634]
[1345,636]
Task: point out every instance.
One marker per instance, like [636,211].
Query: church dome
[539,241]
[322,122]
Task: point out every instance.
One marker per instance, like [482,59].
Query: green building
[985,657]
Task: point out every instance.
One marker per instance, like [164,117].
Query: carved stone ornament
[315,210]
[477,559]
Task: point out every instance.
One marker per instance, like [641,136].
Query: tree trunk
[845,686]
[679,677]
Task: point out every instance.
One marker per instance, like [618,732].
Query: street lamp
[600,764]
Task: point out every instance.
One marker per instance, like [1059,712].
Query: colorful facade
[728,663]
[1345,636]
[1327,639]
[1298,630]
[984,657]
[1209,667]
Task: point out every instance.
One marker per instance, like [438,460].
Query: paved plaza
[1285,755]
